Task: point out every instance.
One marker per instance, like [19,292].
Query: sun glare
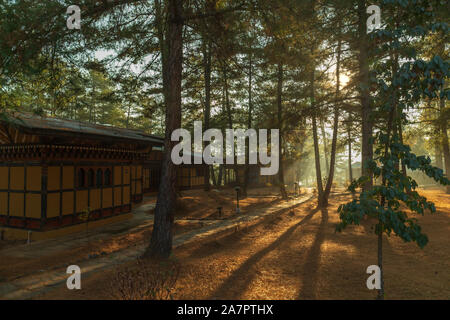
[345,79]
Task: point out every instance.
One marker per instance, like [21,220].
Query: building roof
[36,124]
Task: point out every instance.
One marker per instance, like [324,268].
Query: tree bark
[213,176]
[249,125]
[220,175]
[317,162]
[438,155]
[367,125]
[380,264]
[161,239]
[316,141]
[444,140]
[350,169]
[227,97]
[325,146]
[280,126]
[207,115]
[228,110]
[335,128]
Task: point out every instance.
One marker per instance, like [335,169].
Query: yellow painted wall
[68,177]
[136,176]
[126,195]
[138,187]
[95,199]
[146,175]
[188,177]
[16,204]
[17,178]
[53,178]
[34,175]
[82,201]
[117,196]
[107,198]
[139,172]
[185,177]
[4,179]
[126,175]
[67,205]
[52,205]
[4,203]
[33,206]
[117,175]
[34,183]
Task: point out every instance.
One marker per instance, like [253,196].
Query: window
[99,177]
[81,178]
[90,178]
[107,177]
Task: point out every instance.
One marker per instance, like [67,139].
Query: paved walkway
[30,286]
[37,249]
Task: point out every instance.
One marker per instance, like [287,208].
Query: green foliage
[399,86]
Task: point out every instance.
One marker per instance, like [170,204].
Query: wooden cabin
[56,173]
[255,177]
[192,176]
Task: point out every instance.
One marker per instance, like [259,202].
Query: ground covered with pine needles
[298,255]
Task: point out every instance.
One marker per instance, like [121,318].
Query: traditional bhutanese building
[255,179]
[54,173]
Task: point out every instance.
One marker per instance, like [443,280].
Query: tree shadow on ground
[237,238]
[236,282]
[312,263]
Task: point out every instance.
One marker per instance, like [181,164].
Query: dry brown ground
[195,204]
[299,256]
[12,267]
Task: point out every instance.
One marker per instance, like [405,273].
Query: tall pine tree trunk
[249,125]
[325,145]
[317,162]
[280,126]
[350,169]
[220,175]
[335,127]
[438,155]
[213,176]
[444,140]
[161,239]
[228,111]
[207,116]
[364,88]
[316,140]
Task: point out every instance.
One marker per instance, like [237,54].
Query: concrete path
[33,285]
[40,248]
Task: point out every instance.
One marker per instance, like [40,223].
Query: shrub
[145,280]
